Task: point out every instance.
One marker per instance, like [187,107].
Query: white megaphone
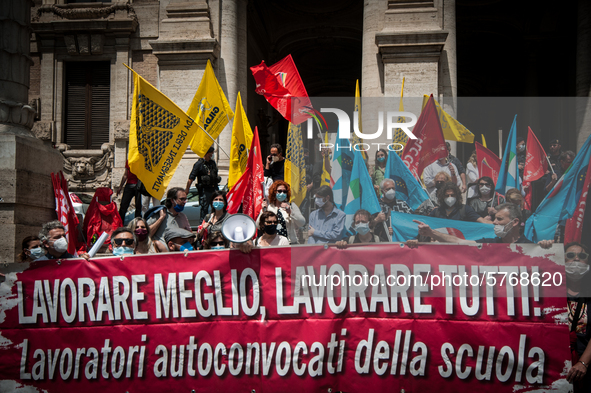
[239,228]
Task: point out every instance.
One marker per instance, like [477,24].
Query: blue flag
[560,204]
[405,229]
[360,191]
[509,172]
[408,188]
[342,163]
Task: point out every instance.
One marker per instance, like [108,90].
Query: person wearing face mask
[268,228]
[275,163]
[123,242]
[507,228]
[379,170]
[31,250]
[451,206]
[54,241]
[327,223]
[441,165]
[174,205]
[144,244]
[363,233]
[388,203]
[216,241]
[179,239]
[486,198]
[578,285]
[213,221]
[291,218]
[433,202]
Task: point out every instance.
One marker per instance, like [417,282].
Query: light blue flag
[408,188]
[341,165]
[561,203]
[509,172]
[405,229]
[360,191]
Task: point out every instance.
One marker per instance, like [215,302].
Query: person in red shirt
[130,181]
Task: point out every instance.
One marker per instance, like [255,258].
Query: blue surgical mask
[37,253]
[218,248]
[381,159]
[179,208]
[281,196]
[118,251]
[362,228]
[218,205]
[187,247]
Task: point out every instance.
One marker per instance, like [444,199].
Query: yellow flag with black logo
[241,141]
[452,129]
[159,134]
[211,112]
[295,164]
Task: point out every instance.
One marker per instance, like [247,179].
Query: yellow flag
[400,136]
[241,141]
[325,179]
[483,140]
[159,134]
[295,165]
[355,140]
[211,112]
[453,130]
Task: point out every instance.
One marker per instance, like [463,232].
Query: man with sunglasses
[176,198]
[179,239]
[507,228]
[123,242]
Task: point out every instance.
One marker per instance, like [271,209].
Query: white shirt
[433,169]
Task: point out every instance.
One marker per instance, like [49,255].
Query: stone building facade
[80,91]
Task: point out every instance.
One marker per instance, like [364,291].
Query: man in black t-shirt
[205,171]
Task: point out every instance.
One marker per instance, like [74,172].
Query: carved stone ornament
[16,113]
[94,11]
[86,170]
[121,130]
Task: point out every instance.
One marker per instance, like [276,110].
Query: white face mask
[390,194]
[319,202]
[61,245]
[501,230]
[520,148]
[576,270]
[450,201]
[484,190]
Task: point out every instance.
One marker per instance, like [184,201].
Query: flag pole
[210,137]
[550,165]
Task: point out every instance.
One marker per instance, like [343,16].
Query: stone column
[583,106]
[448,72]
[26,194]
[232,69]
[183,47]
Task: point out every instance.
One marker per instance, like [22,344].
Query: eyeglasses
[182,199]
[582,255]
[220,243]
[119,242]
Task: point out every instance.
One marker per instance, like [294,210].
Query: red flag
[429,145]
[489,164]
[283,88]
[101,216]
[574,225]
[65,211]
[536,165]
[248,190]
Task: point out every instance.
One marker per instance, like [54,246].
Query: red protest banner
[211,321]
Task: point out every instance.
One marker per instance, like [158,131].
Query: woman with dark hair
[268,227]
[31,249]
[291,218]
[451,206]
[379,171]
[215,241]
[213,221]
[578,285]
[145,244]
[485,198]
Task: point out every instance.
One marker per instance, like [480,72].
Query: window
[87,104]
